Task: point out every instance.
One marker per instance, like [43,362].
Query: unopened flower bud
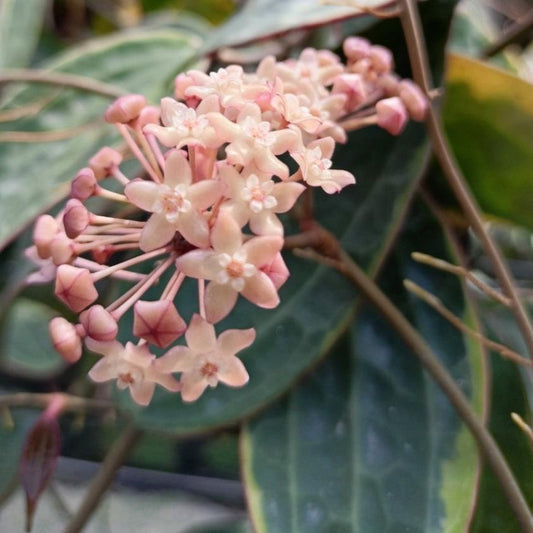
[99,324]
[389,83]
[277,271]
[62,249]
[75,218]
[46,228]
[74,287]
[356,48]
[414,99]
[103,162]
[84,184]
[157,322]
[125,109]
[353,87]
[149,115]
[381,58]
[392,115]
[65,339]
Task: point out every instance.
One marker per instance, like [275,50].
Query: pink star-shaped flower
[176,204]
[233,268]
[206,359]
[133,368]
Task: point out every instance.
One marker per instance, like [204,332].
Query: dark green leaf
[368,443]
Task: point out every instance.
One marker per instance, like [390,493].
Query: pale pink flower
[133,368]
[183,125]
[233,267]
[256,200]
[206,359]
[315,164]
[176,204]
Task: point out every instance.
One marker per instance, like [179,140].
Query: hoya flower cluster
[220,162]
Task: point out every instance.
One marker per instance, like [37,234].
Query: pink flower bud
[102,253]
[356,48]
[392,115]
[125,109]
[62,249]
[46,228]
[65,339]
[83,185]
[182,82]
[277,271]
[353,87]
[388,83]
[381,58]
[75,218]
[157,322]
[99,324]
[149,115]
[414,99]
[75,287]
[103,161]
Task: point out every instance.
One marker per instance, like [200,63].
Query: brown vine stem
[486,444]
[104,477]
[419,62]
[61,79]
[71,403]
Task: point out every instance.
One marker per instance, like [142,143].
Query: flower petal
[266,223]
[177,359]
[262,250]
[142,391]
[177,169]
[226,235]
[233,341]
[219,301]
[192,386]
[194,228]
[201,336]
[103,370]
[204,193]
[286,195]
[232,372]
[195,264]
[143,194]
[260,290]
[157,232]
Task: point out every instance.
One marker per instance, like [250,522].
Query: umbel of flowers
[211,168]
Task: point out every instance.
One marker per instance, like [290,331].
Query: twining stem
[436,304]
[417,53]
[75,404]
[486,444]
[104,477]
[63,80]
[519,421]
[461,271]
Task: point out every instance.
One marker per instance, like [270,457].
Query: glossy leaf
[35,175]
[489,118]
[260,19]
[368,443]
[25,347]
[20,26]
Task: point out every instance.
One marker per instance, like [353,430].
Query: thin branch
[72,403]
[486,444]
[60,79]
[419,62]
[104,477]
[436,304]
[463,272]
[519,421]
[46,136]
[515,33]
